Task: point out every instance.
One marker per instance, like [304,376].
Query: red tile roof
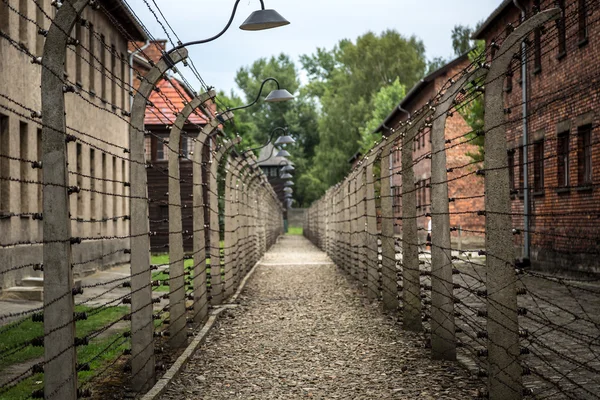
[169,101]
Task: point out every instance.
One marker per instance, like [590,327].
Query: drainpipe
[525,142]
[133,54]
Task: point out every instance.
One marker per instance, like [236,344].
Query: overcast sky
[314,23]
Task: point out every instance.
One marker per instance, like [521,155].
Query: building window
[23,22]
[93,195]
[537,43]
[162,152]
[4,17]
[79,170]
[113,77]
[562,152]
[39,19]
[509,78]
[39,170]
[104,177]
[103,69]
[148,148]
[114,187]
[538,166]
[79,38]
[124,90]
[561,29]
[91,45]
[417,191]
[25,167]
[584,155]
[511,169]
[124,200]
[583,27]
[522,166]
[4,164]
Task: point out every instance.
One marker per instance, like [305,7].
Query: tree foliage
[345,81]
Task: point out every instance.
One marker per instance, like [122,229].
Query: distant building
[99,68]
[468,224]
[564,136]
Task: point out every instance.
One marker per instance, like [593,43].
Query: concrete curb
[162,383]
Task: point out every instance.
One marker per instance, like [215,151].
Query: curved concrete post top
[504,54]
[189,108]
[446,101]
[224,148]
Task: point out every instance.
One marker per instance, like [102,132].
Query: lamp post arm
[258,96]
[270,140]
[218,35]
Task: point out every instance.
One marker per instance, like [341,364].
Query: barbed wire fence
[527,332]
[92,208]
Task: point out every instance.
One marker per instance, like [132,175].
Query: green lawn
[97,354]
[295,230]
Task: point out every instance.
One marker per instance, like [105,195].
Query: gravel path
[304,331]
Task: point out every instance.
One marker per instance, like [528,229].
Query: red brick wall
[565,223]
[466,184]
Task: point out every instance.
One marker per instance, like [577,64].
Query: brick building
[468,224]
[99,69]
[165,103]
[563,144]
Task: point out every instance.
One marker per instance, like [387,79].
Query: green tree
[345,81]
[383,103]
[473,110]
[265,116]
[461,39]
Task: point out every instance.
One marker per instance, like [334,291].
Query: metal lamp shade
[287,139]
[279,95]
[263,19]
[286,176]
[287,196]
[288,168]
[288,190]
[282,153]
[288,184]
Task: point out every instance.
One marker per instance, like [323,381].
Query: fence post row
[505,381]
[342,210]
[199,281]
[177,297]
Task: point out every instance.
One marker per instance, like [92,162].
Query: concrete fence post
[216,282]
[505,381]
[411,282]
[443,330]
[177,298]
[60,379]
[199,281]
[389,274]
[371,226]
[361,226]
[142,328]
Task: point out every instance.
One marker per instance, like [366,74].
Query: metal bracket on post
[505,381]
[443,332]
[177,298]
[142,328]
